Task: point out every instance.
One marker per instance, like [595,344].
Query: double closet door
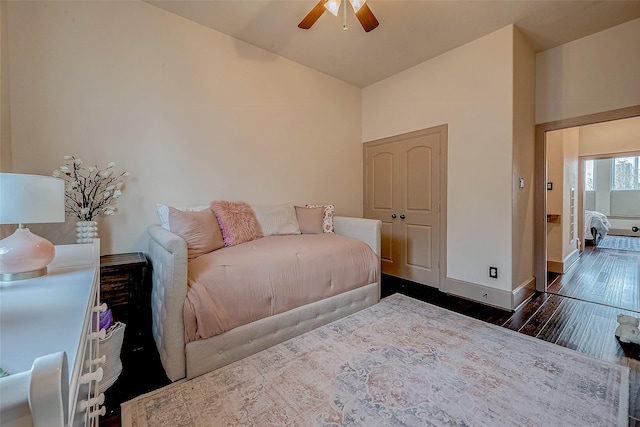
[404,188]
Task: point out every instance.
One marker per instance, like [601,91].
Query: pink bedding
[237,285]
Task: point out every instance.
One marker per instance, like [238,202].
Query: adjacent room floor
[601,275]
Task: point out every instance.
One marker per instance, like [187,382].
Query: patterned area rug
[622,243]
[401,362]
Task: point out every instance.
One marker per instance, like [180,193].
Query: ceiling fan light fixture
[333,6]
[357,4]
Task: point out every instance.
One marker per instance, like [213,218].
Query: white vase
[86,231]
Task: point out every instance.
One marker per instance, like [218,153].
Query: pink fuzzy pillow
[237,222]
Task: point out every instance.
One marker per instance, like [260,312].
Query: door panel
[418,246]
[383,181]
[380,196]
[418,178]
[420,183]
[386,248]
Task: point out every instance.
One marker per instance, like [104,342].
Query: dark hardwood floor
[604,276]
[580,325]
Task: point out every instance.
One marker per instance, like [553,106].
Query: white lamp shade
[28,199]
[31,199]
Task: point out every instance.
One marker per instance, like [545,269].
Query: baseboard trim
[623,232]
[561,267]
[523,292]
[480,293]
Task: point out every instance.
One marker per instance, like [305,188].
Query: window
[625,173]
[590,175]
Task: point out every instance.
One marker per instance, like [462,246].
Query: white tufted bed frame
[168,255]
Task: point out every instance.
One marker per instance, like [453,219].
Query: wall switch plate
[521,182]
[493,272]
[549,185]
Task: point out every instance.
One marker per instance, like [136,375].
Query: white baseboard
[491,296]
[562,266]
[623,232]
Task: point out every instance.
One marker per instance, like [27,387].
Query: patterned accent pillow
[237,222]
[327,217]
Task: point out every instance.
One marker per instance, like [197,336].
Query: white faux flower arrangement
[89,191]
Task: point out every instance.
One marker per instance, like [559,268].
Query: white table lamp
[28,199]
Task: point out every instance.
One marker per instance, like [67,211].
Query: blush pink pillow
[310,219]
[237,222]
[199,229]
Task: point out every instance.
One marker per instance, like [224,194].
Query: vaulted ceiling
[410,32]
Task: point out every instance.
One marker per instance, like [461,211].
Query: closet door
[403,190]
[418,203]
[381,203]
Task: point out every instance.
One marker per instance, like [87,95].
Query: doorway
[541,208]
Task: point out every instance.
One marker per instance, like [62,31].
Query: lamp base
[10,277]
[23,255]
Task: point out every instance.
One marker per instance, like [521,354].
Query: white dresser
[49,343]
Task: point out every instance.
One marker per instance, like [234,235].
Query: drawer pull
[100,308]
[94,362]
[99,360]
[97,335]
[92,376]
[84,404]
[99,413]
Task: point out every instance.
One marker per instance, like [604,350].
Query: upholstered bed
[204,352]
[596,227]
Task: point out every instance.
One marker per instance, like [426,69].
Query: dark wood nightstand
[124,287]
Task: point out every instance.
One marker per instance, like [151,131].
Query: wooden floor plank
[596,330]
[565,315]
[604,276]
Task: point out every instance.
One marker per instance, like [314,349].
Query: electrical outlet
[493,272]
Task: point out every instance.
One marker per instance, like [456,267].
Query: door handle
[402,216]
[393,216]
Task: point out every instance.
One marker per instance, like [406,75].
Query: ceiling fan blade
[366,18]
[312,16]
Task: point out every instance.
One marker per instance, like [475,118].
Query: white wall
[562,171]
[195,115]
[618,136]
[555,203]
[470,89]
[591,75]
[524,94]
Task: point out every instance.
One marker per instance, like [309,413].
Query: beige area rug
[401,362]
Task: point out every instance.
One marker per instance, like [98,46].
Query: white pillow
[277,220]
[163,213]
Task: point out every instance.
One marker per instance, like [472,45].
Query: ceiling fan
[362,11]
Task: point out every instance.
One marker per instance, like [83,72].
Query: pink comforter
[237,285]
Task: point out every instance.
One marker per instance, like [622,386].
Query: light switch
[521,182]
